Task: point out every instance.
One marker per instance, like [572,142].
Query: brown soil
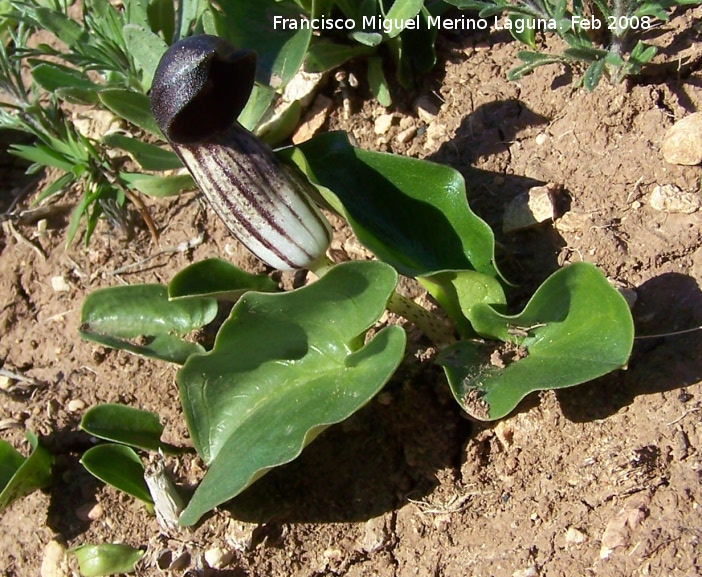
[601,479]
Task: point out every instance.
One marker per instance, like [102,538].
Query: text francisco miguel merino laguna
[387,25]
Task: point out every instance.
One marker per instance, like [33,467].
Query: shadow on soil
[368,465]
[666,304]
[526,258]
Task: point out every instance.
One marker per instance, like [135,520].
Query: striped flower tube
[199,89]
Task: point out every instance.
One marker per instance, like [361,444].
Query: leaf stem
[439,333]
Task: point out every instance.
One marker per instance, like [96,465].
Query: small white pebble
[6,382]
[669,198]
[217,558]
[59,284]
[541,139]
[575,536]
[75,405]
[54,563]
[383,123]
[406,135]
[90,512]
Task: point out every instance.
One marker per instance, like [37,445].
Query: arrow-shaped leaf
[285,367]
[575,328]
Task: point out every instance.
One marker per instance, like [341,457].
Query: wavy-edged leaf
[20,476]
[126,425]
[120,467]
[141,320]
[575,328]
[106,559]
[285,367]
[217,278]
[411,213]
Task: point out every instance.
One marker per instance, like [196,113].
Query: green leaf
[43,155]
[88,97]
[141,320]
[218,279]
[257,105]
[643,53]
[593,74]
[134,12]
[585,53]
[126,425]
[63,27]
[280,51]
[411,213]
[417,54]
[146,48]
[106,559]
[653,9]
[469,4]
[575,328]
[189,13]
[161,16]
[285,367]
[376,80]
[147,156]
[371,39]
[158,186]
[131,106]
[533,60]
[324,55]
[20,476]
[79,211]
[399,14]
[528,33]
[276,128]
[457,291]
[120,467]
[51,77]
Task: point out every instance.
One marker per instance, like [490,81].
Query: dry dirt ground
[601,479]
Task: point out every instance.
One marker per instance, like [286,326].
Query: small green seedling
[19,475]
[106,559]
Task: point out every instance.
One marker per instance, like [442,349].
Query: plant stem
[439,333]
[618,37]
